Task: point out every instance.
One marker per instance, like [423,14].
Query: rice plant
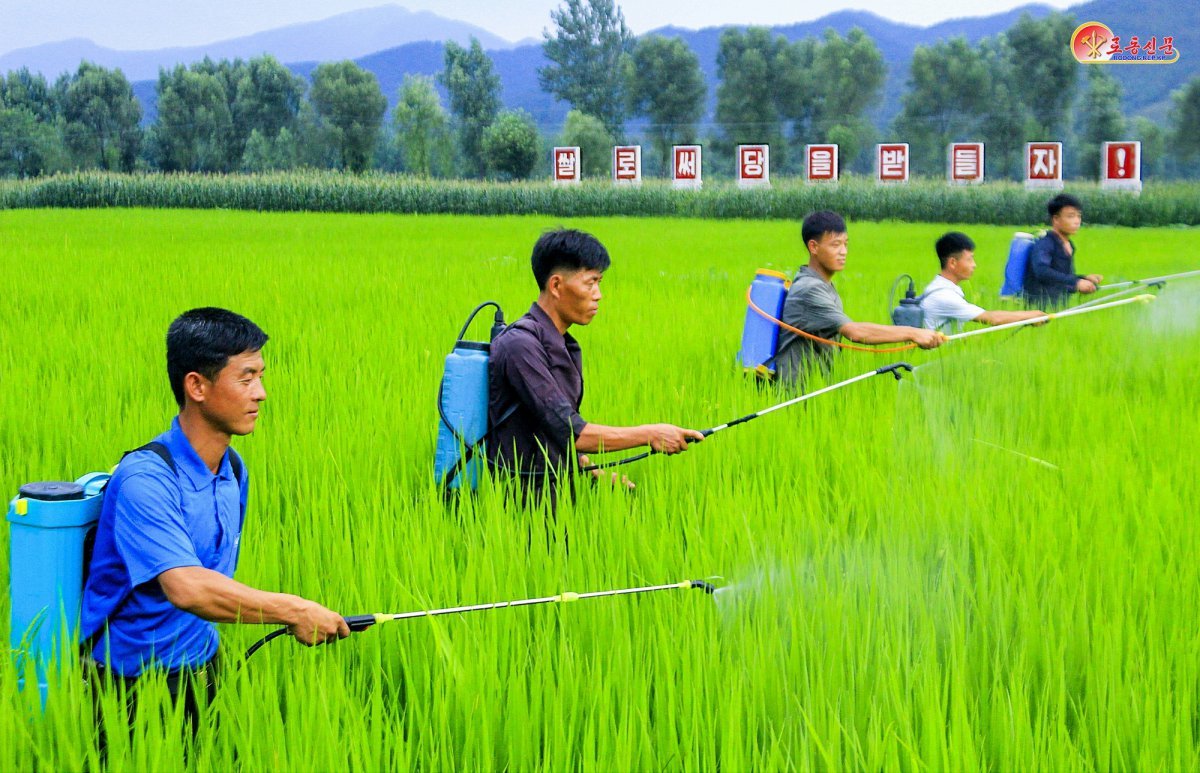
[906,586]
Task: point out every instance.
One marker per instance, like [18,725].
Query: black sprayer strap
[469,454]
[162,452]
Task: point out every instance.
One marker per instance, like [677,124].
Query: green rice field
[989,565]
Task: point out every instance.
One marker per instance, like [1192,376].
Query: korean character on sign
[627,163]
[686,163]
[1134,47]
[821,162]
[566,164]
[966,162]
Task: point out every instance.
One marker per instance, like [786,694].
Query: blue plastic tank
[50,527]
[760,337]
[1017,264]
[463,414]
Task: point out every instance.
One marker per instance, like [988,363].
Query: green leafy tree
[1047,71]
[28,147]
[948,87]
[269,154]
[1004,122]
[848,73]
[266,99]
[421,129]
[1100,119]
[587,51]
[667,87]
[194,130]
[100,117]
[750,62]
[30,91]
[797,93]
[1185,121]
[1154,146]
[316,147]
[474,91]
[593,140]
[30,142]
[512,145]
[351,106]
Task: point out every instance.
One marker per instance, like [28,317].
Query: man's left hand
[612,478]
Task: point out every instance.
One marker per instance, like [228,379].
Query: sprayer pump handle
[360,622]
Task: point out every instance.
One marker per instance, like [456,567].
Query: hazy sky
[147,24]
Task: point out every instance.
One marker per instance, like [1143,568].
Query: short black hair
[1056,204]
[202,341]
[820,223]
[951,244]
[566,248]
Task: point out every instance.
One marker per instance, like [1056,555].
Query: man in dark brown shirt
[535,374]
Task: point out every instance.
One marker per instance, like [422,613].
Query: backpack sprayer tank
[51,526]
[1017,264]
[760,337]
[908,312]
[463,407]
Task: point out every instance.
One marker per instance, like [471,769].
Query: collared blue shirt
[152,520]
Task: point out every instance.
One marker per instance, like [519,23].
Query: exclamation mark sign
[1121,154]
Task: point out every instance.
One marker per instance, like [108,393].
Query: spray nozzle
[896,369]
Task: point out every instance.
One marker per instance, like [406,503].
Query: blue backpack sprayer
[463,406]
[1017,264]
[760,336]
[52,528]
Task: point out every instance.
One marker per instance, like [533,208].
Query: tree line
[257,115]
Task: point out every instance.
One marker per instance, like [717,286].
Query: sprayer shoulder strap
[162,452]
[524,325]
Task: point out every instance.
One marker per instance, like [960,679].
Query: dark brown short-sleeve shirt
[535,388]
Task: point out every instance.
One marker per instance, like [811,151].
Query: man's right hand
[317,625]
[926,339]
[669,439]
[1085,286]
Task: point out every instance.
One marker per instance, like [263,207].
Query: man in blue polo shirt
[167,542]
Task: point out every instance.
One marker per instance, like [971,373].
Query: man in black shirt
[1050,276]
[535,373]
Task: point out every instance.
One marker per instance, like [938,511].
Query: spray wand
[1072,312]
[896,369]
[358,623]
[1155,280]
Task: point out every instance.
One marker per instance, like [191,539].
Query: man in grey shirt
[814,306]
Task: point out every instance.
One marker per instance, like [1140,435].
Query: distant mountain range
[345,36]
[392,42]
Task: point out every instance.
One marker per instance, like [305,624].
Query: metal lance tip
[707,587]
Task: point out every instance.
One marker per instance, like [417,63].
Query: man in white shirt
[943,301]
